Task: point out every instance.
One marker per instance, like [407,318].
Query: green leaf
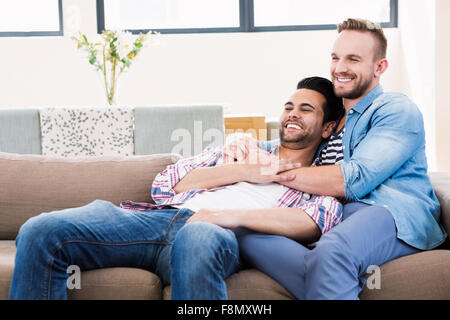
[126,62]
[92,59]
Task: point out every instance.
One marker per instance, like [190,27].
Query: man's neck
[350,103]
[304,156]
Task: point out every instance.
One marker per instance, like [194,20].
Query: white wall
[250,73]
[418,46]
[442,84]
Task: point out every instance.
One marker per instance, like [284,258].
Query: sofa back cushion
[20,131]
[186,130]
[441,186]
[32,184]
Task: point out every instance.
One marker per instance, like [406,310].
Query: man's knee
[332,248]
[55,226]
[203,240]
[39,230]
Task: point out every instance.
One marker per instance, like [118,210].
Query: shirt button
[386,206]
[351,111]
[372,202]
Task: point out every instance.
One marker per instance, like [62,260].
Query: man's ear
[327,129]
[381,67]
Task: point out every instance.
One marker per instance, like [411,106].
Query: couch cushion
[20,131]
[249,284]
[424,275]
[87,131]
[7,255]
[101,284]
[32,184]
[253,284]
[441,186]
[186,130]
[117,284]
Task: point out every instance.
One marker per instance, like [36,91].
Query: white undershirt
[241,195]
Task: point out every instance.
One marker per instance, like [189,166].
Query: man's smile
[343,80]
[292,126]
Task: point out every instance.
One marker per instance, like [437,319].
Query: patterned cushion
[75,132]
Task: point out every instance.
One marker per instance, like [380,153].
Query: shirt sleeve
[396,132]
[324,210]
[162,187]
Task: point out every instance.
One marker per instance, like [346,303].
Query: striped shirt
[333,153]
[325,211]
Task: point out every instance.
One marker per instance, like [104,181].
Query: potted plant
[112,56]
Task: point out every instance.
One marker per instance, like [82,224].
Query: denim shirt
[385,165]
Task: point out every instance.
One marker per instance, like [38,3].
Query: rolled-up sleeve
[325,211]
[162,188]
[394,136]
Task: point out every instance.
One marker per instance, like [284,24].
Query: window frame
[60,32]
[246,17]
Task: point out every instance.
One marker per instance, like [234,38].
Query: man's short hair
[375,29]
[333,108]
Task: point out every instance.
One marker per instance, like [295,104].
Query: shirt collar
[368,99]
[275,148]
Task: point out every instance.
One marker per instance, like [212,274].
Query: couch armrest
[441,186]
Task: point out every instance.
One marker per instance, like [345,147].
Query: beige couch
[31,184]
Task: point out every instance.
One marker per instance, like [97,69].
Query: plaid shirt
[325,211]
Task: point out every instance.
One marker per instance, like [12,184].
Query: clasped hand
[258,166]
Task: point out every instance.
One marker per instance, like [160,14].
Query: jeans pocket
[176,223]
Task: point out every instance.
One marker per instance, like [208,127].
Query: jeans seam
[174,218]
[236,258]
[50,263]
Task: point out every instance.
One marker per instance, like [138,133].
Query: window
[193,16]
[320,14]
[30,18]
[169,16]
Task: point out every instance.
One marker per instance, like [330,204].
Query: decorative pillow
[78,132]
[32,184]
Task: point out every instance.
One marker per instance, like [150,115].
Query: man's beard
[357,92]
[297,139]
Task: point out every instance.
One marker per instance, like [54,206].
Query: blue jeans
[333,269]
[196,257]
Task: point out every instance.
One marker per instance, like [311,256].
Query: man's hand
[257,165]
[293,223]
[267,169]
[224,219]
[238,146]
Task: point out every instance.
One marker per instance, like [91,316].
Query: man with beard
[376,160]
[186,238]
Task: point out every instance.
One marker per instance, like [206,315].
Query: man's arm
[293,223]
[180,181]
[209,178]
[213,177]
[322,180]
[396,132]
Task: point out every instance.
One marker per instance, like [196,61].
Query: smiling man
[185,238]
[376,160]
